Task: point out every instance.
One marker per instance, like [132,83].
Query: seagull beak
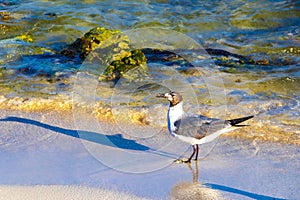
[160,96]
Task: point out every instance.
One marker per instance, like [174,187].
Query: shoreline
[259,129]
[39,150]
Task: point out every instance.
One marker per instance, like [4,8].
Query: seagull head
[174,97]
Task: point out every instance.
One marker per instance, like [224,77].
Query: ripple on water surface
[34,77]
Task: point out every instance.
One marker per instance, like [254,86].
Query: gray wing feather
[198,126]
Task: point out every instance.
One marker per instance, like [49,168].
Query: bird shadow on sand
[205,191]
[116,140]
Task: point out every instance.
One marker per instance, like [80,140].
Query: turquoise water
[268,32]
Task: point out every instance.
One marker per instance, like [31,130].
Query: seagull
[195,129]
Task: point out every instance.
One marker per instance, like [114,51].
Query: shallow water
[34,77]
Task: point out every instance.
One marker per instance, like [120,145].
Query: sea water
[34,76]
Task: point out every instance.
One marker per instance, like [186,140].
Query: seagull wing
[198,126]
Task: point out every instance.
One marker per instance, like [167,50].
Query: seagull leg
[190,158]
[197,150]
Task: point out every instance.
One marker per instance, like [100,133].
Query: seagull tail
[234,122]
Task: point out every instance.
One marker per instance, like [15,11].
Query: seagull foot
[182,161]
[178,161]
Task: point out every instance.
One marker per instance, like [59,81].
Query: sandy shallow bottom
[59,156]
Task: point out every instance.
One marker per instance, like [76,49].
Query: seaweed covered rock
[110,49]
[127,64]
[88,42]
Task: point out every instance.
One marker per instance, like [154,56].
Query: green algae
[132,60]
[245,18]
[11,25]
[110,48]
[5,15]
[283,85]
[89,42]
[271,50]
[25,37]
[259,84]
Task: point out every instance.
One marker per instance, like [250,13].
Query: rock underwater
[110,54]
[110,49]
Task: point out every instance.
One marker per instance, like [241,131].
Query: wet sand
[44,153]
[50,192]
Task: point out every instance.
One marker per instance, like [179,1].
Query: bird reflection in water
[193,190]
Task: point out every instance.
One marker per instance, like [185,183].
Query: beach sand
[68,192]
[44,156]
